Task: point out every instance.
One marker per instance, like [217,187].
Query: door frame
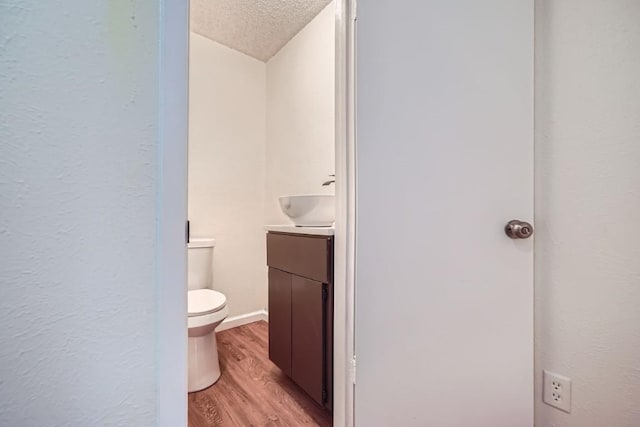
[171,252]
[171,214]
[345,250]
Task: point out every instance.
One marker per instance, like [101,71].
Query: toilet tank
[200,263]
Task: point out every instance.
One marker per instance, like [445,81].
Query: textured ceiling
[258,28]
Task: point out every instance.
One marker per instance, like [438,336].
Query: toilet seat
[201,302]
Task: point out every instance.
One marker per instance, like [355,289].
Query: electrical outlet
[556,391]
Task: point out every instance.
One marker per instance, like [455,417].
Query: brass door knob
[518,229]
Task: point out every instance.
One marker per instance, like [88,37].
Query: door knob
[518,229]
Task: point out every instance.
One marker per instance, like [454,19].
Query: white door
[444,299]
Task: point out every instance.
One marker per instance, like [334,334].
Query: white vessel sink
[313,210]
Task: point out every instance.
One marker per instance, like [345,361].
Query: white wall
[587,208]
[227,116]
[300,115]
[257,131]
[78,202]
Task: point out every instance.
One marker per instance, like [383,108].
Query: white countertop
[287,228]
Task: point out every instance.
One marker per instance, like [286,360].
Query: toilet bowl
[206,310]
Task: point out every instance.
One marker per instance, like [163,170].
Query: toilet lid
[204,301]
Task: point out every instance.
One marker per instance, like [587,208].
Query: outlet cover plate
[556,391]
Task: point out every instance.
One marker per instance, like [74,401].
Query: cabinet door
[280,319]
[307,338]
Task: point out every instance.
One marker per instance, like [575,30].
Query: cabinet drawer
[306,256]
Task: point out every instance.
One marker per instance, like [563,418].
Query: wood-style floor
[252,391]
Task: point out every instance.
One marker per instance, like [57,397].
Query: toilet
[207,309]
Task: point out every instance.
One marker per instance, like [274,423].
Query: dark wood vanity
[301,310]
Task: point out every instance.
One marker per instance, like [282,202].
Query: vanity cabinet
[301,310]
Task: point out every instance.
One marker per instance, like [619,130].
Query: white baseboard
[243,319]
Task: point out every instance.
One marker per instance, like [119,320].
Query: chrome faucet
[331,181]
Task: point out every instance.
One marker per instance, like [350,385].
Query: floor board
[252,391]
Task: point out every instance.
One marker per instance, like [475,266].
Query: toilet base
[204,367]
